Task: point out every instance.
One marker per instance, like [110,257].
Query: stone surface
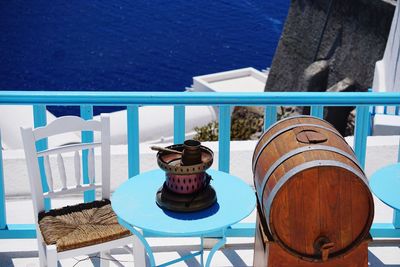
[315,79]
[354,39]
[315,76]
[338,116]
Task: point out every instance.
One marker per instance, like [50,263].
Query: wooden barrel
[311,191]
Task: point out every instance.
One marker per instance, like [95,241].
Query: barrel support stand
[268,253]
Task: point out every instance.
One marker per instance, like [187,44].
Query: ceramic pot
[191,153]
[186,183]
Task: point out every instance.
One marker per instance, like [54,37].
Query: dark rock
[316,77]
[338,116]
[354,39]
[345,85]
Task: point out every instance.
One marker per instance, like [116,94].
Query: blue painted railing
[132,100]
[3,223]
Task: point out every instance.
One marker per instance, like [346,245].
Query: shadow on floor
[7,259]
[375,262]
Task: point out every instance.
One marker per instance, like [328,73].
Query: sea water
[132,45]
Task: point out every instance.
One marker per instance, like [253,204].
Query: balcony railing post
[269,116]
[396,219]
[133,140]
[3,221]
[179,124]
[224,137]
[396,213]
[317,111]
[361,133]
[40,119]
[87,136]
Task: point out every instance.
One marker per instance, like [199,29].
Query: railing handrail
[199,98]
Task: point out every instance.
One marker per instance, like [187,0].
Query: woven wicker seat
[80,225]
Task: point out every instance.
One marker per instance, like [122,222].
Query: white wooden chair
[52,251]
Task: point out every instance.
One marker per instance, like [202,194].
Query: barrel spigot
[323,246]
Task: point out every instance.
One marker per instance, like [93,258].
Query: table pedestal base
[200,253]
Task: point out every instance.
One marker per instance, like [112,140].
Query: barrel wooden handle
[323,246]
[163,149]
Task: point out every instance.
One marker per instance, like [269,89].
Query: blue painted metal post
[384,230]
[398,153]
[224,138]
[133,140]
[317,111]
[371,120]
[3,221]
[396,219]
[87,136]
[361,133]
[269,116]
[40,119]
[179,124]
[396,213]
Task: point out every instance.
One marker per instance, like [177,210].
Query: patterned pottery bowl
[185,183]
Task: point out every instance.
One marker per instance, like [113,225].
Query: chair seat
[81,225]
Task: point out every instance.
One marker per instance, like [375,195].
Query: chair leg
[139,253]
[52,256]
[42,253]
[105,258]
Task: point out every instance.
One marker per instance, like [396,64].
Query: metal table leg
[202,251]
[139,235]
[215,248]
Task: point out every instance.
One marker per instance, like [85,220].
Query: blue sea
[128,45]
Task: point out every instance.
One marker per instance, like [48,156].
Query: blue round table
[385,184]
[136,208]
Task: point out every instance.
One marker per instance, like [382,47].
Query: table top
[385,184]
[135,203]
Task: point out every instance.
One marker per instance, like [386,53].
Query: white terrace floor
[238,251]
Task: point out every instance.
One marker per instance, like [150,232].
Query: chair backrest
[386,110]
[80,152]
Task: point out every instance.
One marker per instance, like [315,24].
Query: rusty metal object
[169,200]
[171,162]
[186,186]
